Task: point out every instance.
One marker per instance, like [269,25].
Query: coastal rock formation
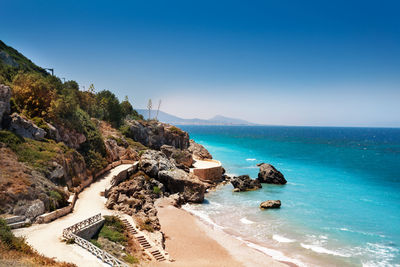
[26,128]
[183,158]
[5,95]
[152,162]
[245,183]
[117,147]
[156,165]
[268,174]
[154,134]
[199,151]
[136,197]
[188,185]
[270,204]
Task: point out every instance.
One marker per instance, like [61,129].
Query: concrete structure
[208,170]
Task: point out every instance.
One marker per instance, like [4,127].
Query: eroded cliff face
[154,134]
[25,191]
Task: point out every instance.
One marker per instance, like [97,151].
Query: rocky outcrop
[70,137]
[268,174]
[26,128]
[156,165]
[244,183]
[270,204]
[136,197]
[182,158]
[154,134]
[187,185]
[25,191]
[117,151]
[52,133]
[152,162]
[199,151]
[68,169]
[5,95]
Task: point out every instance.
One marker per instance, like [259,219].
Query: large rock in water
[245,183]
[199,151]
[268,174]
[26,128]
[154,134]
[270,204]
[5,95]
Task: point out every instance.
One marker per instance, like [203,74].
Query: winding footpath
[46,238]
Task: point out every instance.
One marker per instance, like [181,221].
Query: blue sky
[274,62]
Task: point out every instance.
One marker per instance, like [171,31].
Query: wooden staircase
[143,241]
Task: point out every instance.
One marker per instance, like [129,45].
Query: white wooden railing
[69,233]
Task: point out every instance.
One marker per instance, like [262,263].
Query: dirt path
[46,238]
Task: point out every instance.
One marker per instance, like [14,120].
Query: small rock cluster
[267,174]
[245,183]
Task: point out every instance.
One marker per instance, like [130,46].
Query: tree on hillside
[126,107]
[34,93]
[109,107]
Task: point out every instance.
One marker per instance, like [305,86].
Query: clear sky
[274,62]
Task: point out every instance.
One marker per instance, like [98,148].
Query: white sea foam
[251,159]
[282,239]
[204,217]
[275,254]
[322,250]
[246,221]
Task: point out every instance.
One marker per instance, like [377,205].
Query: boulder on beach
[268,174]
[270,204]
[245,183]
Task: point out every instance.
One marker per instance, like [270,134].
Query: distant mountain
[216,120]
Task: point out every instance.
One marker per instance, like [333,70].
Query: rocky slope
[154,134]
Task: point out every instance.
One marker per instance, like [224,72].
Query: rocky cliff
[154,134]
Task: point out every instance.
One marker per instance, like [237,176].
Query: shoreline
[191,242]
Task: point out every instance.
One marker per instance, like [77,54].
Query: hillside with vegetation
[55,138]
[50,134]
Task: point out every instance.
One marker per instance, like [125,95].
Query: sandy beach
[190,242]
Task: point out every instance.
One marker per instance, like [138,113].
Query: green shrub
[176,130]
[113,230]
[55,195]
[95,161]
[10,241]
[96,243]
[141,152]
[156,190]
[131,259]
[11,139]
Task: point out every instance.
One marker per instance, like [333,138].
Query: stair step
[17,225]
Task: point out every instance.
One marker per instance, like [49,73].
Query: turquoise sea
[341,206]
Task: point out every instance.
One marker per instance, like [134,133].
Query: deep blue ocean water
[341,206]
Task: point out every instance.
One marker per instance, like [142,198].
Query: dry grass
[14,177]
[32,258]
